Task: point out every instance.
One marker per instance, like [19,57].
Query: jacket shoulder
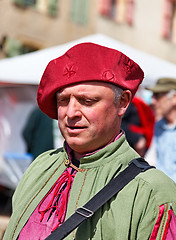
[163,187]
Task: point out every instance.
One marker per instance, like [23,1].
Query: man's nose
[73,108]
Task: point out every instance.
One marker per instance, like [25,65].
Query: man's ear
[124,102]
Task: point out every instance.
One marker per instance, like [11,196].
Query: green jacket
[132,214]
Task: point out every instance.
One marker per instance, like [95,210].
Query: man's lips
[72,130]
[75,127]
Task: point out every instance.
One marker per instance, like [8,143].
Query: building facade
[28,25]
[143,24]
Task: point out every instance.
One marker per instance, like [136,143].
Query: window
[53,7]
[43,6]
[169,20]
[48,7]
[24,3]
[29,2]
[12,47]
[79,11]
[120,11]
[174,23]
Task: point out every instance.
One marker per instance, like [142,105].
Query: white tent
[28,68]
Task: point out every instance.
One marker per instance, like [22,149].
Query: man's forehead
[86,86]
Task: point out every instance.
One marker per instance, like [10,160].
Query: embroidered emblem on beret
[128,63]
[107,75]
[69,70]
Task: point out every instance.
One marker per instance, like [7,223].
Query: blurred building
[28,25]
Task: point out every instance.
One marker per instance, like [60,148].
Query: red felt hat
[86,62]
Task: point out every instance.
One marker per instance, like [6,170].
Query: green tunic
[132,214]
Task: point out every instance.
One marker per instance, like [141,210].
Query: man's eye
[62,101]
[87,102]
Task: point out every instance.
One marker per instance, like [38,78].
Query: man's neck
[77,155]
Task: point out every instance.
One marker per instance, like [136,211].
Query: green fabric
[38,133]
[130,215]
[79,11]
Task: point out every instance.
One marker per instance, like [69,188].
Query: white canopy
[28,68]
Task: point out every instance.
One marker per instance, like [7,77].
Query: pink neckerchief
[59,199]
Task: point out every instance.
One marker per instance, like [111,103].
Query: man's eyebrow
[58,94]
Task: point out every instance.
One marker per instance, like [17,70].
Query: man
[164,142]
[88,90]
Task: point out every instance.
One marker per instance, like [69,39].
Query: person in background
[88,89]
[40,134]
[164,142]
[138,123]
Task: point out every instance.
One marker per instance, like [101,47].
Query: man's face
[161,104]
[87,115]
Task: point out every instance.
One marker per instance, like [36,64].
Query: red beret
[86,62]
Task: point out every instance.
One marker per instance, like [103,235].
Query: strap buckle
[141,163]
[84,212]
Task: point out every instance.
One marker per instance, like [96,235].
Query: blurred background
[32,32]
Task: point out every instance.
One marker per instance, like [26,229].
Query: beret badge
[127,63]
[107,75]
[69,70]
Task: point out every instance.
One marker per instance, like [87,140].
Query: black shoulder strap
[113,187]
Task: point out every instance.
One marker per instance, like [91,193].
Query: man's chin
[79,146]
